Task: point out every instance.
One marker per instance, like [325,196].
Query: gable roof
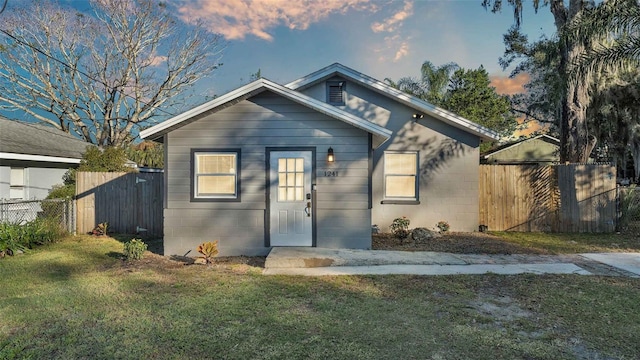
[501,148]
[395,94]
[36,142]
[380,134]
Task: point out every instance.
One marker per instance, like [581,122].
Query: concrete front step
[308,257]
[321,261]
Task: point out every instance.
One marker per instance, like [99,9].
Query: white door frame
[271,200]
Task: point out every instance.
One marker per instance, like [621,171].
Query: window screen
[216,174]
[400,175]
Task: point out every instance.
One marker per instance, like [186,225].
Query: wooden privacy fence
[130,202]
[555,198]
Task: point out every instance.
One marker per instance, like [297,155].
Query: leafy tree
[542,100]
[101,75]
[146,153]
[471,95]
[109,159]
[614,114]
[576,143]
[432,85]
[613,29]
[467,93]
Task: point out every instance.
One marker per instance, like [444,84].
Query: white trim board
[400,96]
[380,134]
[43,158]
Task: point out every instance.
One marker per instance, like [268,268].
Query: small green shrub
[21,237]
[134,249]
[629,207]
[443,226]
[61,191]
[400,227]
[209,250]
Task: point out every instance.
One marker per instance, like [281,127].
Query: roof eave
[39,158]
[404,98]
[380,133]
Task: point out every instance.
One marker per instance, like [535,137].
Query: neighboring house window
[336,92]
[16,185]
[401,176]
[216,174]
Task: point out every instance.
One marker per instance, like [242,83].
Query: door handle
[307,209]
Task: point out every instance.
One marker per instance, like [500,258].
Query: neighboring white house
[315,162]
[33,158]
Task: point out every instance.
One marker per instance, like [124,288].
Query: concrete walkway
[319,261]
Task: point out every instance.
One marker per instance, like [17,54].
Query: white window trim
[399,199]
[195,196]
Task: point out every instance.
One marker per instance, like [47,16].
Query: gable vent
[335,92]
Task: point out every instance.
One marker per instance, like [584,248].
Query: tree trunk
[575,143]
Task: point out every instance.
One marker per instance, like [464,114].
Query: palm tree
[432,85]
[612,29]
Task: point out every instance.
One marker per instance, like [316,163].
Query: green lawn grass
[78,299]
[573,243]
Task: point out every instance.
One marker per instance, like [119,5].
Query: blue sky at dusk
[289,39]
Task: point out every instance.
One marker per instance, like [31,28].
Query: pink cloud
[392,23]
[402,51]
[508,86]
[235,19]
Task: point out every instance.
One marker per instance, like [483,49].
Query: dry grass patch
[514,243]
[78,299]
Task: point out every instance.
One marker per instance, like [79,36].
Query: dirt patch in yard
[451,242]
[454,242]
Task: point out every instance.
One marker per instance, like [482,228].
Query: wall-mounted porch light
[330,157]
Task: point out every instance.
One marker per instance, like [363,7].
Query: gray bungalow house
[315,162]
[34,157]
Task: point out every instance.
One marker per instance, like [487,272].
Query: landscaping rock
[423,235]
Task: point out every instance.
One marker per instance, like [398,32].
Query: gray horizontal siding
[253,125]
[337,224]
[448,162]
[239,232]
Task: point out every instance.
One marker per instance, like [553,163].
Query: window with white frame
[16,185]
[216,174]
[401,175]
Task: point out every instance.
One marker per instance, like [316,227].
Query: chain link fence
[24,211]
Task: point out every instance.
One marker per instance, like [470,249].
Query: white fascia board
[42,158]
[402,97]
[230,96]
[382,134]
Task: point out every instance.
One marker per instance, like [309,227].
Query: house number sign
[330,173]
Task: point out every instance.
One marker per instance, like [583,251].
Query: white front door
[290,198]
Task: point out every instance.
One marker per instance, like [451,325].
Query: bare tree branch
[101,75]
